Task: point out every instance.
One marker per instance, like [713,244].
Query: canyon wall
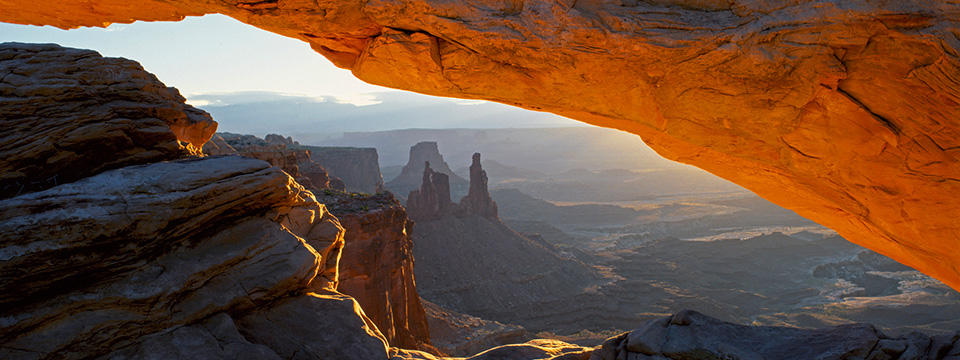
[376,263]
[359,168]
[842,111]
[376,266]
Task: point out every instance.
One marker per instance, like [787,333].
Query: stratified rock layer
[128,117]
[160,259]
[145,248]
[842,111]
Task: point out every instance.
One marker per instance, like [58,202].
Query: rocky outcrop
[147,249]
[296,162]
[219,257]
[280,140]
[432,201]
[323,325]
[691,335]
[129,117]
[478,200]
[465,243]
[425,155]
[376,267]
[459,334]
[359,168]
[843,112]
[218,146]
[539,349]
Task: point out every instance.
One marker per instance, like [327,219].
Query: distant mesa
[411,176]
[349,168]
[278,151]
[359,168]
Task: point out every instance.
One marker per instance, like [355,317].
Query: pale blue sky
[214,53]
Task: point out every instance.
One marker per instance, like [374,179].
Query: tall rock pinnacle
[478,200]
[432,200]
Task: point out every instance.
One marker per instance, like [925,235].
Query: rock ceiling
[844,111]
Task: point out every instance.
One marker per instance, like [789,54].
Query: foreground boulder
[692,335]
[151,248]
[459,334]
[325,325]
[70,113]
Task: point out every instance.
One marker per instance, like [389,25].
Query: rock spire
[432,201]
[478,200]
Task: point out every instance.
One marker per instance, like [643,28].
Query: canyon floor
[728,254]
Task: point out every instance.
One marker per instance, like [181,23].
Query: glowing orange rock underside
[848,116]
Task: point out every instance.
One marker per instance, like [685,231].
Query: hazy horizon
[309,118]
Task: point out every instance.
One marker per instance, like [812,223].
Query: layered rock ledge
[128,117]
[842,111]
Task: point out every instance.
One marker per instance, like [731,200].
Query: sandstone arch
[844,111]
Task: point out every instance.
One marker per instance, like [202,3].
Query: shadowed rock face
[433,199]
[842,111]
[376,267]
